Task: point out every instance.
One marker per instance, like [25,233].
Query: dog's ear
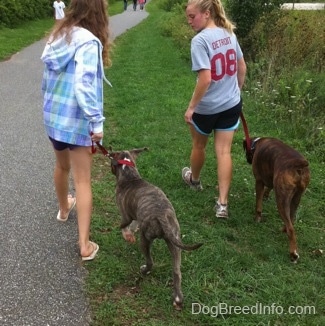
[248,152]
[136,151]
[113,156]
[245,145]
[249,158]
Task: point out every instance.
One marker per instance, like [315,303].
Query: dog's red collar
[125,162]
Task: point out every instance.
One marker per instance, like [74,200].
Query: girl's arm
[202,85]
[241,72]
[86,84]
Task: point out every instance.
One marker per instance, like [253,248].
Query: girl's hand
[97,137]
[188,115]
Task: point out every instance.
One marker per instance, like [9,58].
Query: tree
[246,13]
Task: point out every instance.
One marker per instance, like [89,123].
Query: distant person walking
[135,2]
[141,3]
[59,7]
[216,103]
[125,4]
[72,88]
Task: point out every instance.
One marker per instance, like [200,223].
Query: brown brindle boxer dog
[280,167]
[146,207]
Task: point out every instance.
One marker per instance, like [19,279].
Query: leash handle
[248,140]
[102,148]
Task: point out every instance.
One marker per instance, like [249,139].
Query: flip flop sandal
[58,217]
[93,254]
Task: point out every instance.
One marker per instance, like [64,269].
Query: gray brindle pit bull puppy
[140,201]
[280,167]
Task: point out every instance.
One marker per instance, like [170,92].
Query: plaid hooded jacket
[72,87]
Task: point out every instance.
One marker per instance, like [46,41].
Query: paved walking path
[41,274]
[303,6]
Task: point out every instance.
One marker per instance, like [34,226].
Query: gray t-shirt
[217,50]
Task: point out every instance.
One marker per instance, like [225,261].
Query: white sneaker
[221,210]
[187,177]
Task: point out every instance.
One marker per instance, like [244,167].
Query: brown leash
[248,140]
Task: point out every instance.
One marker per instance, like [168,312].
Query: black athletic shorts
[60,146]
[223,121]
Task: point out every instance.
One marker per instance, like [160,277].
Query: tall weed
[291,105]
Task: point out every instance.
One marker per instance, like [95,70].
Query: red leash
[106,153]
[248,140]
[102,148]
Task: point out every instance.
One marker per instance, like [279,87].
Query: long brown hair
[91,15]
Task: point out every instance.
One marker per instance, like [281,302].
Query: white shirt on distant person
[59,7]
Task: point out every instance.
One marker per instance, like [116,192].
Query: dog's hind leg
[128,235]
[266,194]
[145,246]
[128,227]
[284,208]
[259,189]
[294,205]
[177,275]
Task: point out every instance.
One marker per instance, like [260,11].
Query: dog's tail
[299,164]
[169,235]
[183,246]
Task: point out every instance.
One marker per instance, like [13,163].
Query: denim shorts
[223,121]
[60,146]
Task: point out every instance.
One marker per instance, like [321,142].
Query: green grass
[13,40]
[242,263]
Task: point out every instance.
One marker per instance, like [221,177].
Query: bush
[176,27]
[15,12]
[168,5]
[245,14]
[293,38]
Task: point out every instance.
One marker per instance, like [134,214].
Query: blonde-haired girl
[216,104]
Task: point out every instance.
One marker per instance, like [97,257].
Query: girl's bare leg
[81,161]
[61,181]
[197,158]
[222,142]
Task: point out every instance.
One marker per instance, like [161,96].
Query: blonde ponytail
[220,17]
[217,12]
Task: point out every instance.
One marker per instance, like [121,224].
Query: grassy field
[242,263]
[12,40]
[242,274]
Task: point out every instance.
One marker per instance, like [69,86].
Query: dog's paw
[128,236]
[144,270]
[258,217]
[294,256]
[178,306]
[178,303]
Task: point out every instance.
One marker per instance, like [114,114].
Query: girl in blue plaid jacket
[72,87]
